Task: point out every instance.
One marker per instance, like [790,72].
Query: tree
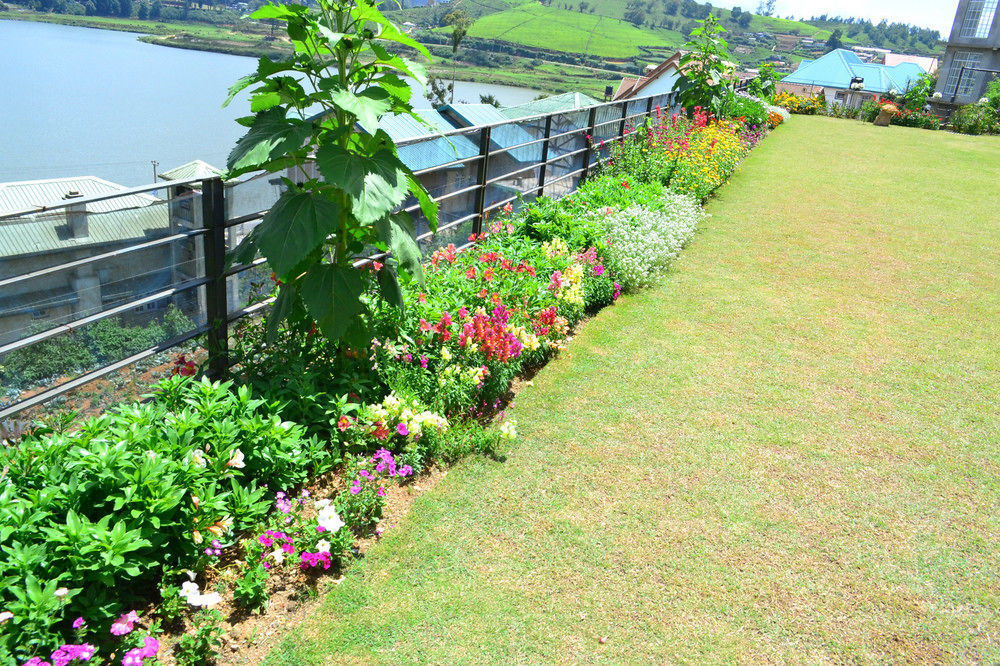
[143,10]
[735,14]
[438,92]
[125,9]
[348,183]
[745,19]
[834,42]
[460,24]
[490,99]
[156,9]
[766,8]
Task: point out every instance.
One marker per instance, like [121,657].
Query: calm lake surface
[80,101]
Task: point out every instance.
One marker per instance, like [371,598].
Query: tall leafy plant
[342,185]
[704,69]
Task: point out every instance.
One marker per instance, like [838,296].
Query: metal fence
[85,279]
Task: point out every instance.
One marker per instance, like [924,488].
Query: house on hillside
[48,238]
[833,74]
[972,56]
[927,63]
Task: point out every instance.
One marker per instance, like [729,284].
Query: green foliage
[751,112]
[200,646]
[762,85]
[703,82]
[318,225]
[59,355]
[975,119]
[250,591]
[103,510]
[915,97]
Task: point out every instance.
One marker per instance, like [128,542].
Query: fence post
[649,107]
[621,126]
[484,162]
[591,123]
[213,212]
[545,156]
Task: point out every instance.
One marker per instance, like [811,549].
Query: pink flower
[150,646]
[380,492]
[125,624]
[402,429]
[79,622]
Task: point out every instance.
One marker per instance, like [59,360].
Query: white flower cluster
[643,242]
[327,517]
[508,430]
[394,410]
[194,596]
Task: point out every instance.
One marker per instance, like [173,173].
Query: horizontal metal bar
[240,268]
[65,387]
[464,190]
[100,257]
[63,203]
[450,225]
[104,314]
[459,162]
[526,119]
[251,217]
[498,204]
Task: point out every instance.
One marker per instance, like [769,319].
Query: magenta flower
[380,492]
[150,646]
[79,622]
[402,429]
[125,624]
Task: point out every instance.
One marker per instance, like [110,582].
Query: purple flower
[79,622]
[423,362]
[402,429]
[405,470]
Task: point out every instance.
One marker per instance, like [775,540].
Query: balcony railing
[152,258]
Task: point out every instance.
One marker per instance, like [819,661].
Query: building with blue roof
[833,73]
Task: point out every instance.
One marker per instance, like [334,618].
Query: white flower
[208,600]
[236,460]
[323,546]
[278,556]
[6,615]
[936,95]
[983,100]
[445,354]
[198,458]
[329,520]
[189,589]
[322,504]
[61,592]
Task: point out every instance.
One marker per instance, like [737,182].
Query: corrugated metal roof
[427,154]
[555,104]
[195,169]
[118,220]
[836,68]
[504,136]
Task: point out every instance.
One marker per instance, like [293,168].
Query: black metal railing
[562,149]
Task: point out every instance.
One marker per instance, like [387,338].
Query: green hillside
[540,26]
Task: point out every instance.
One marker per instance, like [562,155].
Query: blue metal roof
[504,136]
[430,153]
[838,67]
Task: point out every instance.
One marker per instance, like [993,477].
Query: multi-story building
[972,58]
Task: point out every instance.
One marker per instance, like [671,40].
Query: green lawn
[789,450]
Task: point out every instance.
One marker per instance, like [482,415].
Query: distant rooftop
[504,136]
[432,153]
[836,68]
[111,221]
[555,104]
[191,170]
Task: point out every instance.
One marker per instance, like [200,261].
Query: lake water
[80,101]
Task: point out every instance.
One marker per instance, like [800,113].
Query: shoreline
[217,39]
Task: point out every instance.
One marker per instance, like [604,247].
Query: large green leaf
[375,185]
[332,294]
[428,206]
[395,86]
[368,105]
[296,225]
[396,231]
[280,309]
[389,286]
[271,136]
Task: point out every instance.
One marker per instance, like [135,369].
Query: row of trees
[121,8]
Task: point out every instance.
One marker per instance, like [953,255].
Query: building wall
[983,49]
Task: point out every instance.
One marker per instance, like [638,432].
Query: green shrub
[975,119]
[104,510]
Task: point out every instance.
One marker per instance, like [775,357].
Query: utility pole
[155,164]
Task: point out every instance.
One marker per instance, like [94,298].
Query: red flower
[625,184]
[471,273]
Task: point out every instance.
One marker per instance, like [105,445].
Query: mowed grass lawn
[788,451]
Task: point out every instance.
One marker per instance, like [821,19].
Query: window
[979,19]
[962,59]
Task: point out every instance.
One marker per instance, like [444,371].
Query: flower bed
[148,517]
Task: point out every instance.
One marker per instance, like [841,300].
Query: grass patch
[786,451]
[537,25]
